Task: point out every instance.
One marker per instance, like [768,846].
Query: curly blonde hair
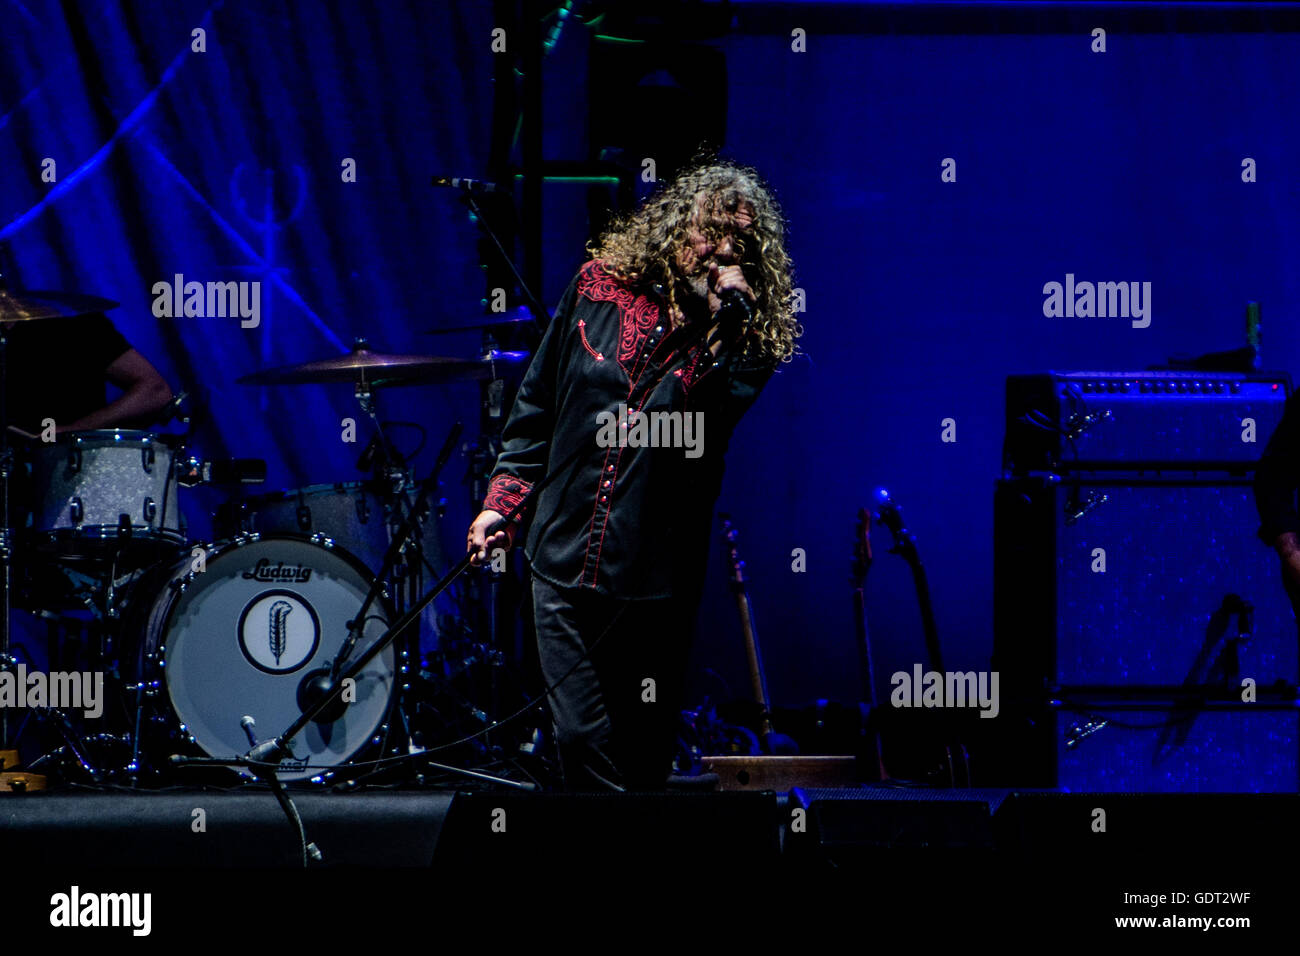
[640,247]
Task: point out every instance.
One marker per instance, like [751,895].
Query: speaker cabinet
[1128,582]
[1154,594]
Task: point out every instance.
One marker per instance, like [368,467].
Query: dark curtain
[228,165]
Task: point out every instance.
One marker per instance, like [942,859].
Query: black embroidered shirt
[628,516]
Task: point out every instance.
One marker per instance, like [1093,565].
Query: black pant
[616,714]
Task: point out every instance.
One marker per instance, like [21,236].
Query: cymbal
[516,316]
[31,305]
[376,368]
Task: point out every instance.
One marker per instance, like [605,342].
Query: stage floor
[1033,855]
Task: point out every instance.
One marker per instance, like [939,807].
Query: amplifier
[1085,421]
[1128,592]
[1135,583]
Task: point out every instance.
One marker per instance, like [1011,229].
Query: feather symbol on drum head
[278,632]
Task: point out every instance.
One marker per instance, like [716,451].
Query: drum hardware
[192,471]
[409,522]
[76,753]
[74,745]
[98,757]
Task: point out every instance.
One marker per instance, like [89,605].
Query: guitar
[955,771]
[772,742]
[861,564]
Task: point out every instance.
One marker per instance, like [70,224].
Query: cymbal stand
[402,493]
[406,497]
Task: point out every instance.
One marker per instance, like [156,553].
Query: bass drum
[237,631]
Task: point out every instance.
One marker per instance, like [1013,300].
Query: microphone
[736,305]
[734,316]
[465,185]
[314,687]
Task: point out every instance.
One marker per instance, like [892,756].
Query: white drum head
[245,632]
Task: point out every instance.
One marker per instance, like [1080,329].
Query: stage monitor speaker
[615,833]
[1062,830]
[857,827]
[97,829]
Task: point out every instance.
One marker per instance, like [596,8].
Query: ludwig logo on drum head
[278,632]
[292,573]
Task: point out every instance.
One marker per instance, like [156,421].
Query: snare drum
[106,493]
[242,631]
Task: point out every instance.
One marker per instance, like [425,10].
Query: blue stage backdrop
[923,291]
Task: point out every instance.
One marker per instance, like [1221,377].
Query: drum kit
[208,644]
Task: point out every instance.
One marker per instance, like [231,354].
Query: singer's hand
[479,545]
[722,278]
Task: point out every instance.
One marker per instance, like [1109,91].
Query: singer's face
[701,250]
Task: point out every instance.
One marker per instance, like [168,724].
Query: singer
[685,306]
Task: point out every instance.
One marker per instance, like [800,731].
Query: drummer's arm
[145,393]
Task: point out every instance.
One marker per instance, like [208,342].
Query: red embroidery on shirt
[637,313]
[504,492]
[691,372]
[582,330]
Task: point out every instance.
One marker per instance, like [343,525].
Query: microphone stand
[490,587]
[396,546]
[534,304]
[264,757]
[280,743]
